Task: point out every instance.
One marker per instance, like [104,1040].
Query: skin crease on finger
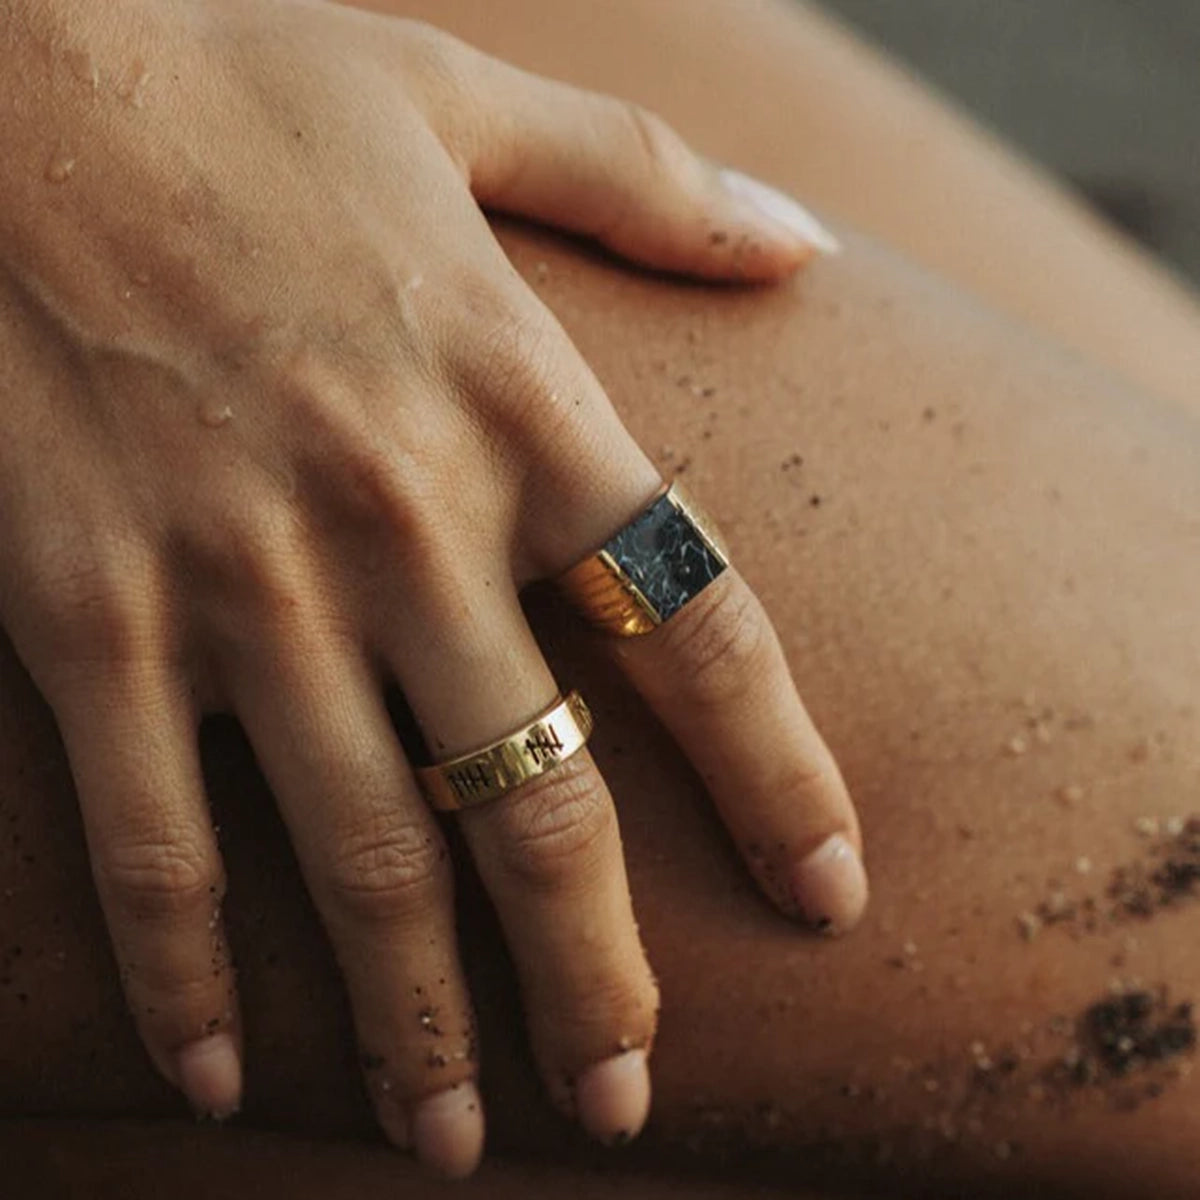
[799,1062]
[218,470]
[872,347]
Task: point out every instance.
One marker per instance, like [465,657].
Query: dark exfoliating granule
[1180,874]
[1142,889]
[427,1018]
[1135,1028]
[1123,1035]
[1167,877]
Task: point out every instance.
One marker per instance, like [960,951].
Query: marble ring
[648,570]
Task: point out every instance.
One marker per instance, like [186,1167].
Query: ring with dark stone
[648,570]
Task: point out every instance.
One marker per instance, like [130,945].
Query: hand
[280,425]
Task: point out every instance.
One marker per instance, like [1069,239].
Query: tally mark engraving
[543,744]
[470,781]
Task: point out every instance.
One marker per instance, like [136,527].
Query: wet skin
[1003,655]
[982,558]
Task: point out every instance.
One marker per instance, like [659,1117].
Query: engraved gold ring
[490,772]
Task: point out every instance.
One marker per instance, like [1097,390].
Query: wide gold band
[607,597]
[487,774]
[648,570]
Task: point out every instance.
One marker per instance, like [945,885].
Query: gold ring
[647,571]
[491,772]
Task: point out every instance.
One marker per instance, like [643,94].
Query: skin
[870,347]
[230,485]
[827,118]
[1092,620]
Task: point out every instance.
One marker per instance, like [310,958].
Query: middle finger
[549,852]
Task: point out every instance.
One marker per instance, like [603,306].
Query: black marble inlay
[666,556]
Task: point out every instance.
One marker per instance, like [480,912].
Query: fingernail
[780,209]
[210,1076]
[612,1098]
[447,1131]
[830,886]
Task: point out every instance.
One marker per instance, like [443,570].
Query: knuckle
[371,469]
[521,377]
[386,870]
[244,559]
[813,776]
[153,880]
[431,54]
[93,606]
[101,624]
[723,643]
[561,827]
[246,553]
[654,160]
[381,487]
[611,1014]
[511,355]
[661,149]
[176,1003]
[176,997]
[447,80]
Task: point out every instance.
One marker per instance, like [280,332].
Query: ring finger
[378,871]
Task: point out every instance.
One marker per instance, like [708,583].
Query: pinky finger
[132,743]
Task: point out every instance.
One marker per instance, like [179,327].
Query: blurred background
[1106,93]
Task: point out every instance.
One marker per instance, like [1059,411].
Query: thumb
[612,171]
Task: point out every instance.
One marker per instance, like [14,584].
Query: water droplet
[132,88]
[83,68]
[61,166]
[215,413]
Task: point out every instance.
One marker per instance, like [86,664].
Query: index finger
[712,668]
